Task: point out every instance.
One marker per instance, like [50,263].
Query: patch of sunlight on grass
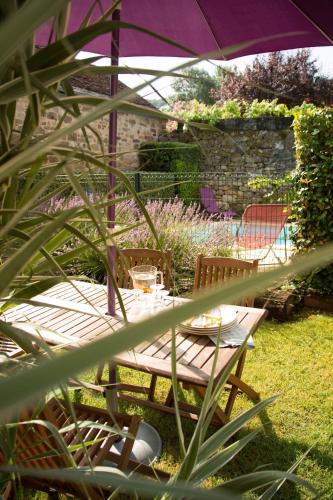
[293,360]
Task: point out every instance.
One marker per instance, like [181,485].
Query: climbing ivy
[313,203]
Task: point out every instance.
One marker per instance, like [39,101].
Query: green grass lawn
[293,360]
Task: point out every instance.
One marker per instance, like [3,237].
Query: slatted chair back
[9,348]
[131,257]
[38,448]
[212,270]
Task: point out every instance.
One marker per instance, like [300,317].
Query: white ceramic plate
[208,324]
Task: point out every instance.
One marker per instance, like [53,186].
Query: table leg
[218,412]
[111,393]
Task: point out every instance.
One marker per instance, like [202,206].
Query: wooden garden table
[195,354]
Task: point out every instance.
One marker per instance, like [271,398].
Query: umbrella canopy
[210,25]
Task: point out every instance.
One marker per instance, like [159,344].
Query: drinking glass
[144,277]
[144,282]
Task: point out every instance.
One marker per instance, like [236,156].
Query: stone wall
[132,131]
[261,147]
[241,150]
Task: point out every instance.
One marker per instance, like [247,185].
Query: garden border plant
[194,111]
[313,200]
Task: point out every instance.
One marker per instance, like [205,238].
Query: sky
[323,55]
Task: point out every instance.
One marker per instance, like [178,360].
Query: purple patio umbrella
[201,26]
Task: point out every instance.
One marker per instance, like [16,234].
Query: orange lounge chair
[261,226]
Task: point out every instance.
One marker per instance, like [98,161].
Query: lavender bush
[184,229]
[57,204]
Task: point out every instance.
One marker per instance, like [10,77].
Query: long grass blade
[104,477]
[222,435]
[210,466]
[31,290]
[58,51]
[20,26]
[19,259]
[16,88]
[26,204]
[259,479]
[275,487]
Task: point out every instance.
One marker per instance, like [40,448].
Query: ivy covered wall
[313,202]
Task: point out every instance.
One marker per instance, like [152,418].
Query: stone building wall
[132,131]
[241,150]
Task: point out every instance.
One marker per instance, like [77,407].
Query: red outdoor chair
[261,226]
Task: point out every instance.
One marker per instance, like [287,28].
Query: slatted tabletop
[89,322]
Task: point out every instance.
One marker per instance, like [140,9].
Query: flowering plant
[184,229]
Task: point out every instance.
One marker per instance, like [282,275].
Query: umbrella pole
[111,391]
[111,249]
[147,437]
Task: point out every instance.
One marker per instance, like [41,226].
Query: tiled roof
[100,84]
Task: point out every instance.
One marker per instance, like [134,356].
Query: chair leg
[111,393]
[8,491]
[129,442]
[243,387]
[169,399]
[98,379]
[152,387]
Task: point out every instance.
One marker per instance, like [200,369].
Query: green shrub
[313,205]
[193,111]
[258,109]
[173,157]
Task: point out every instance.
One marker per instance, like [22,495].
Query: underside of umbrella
[203,26]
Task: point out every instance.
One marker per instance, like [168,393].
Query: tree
[291,78]
[198,85]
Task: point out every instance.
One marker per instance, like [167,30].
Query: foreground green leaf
[19,27]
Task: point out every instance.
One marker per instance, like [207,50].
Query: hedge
[176,157]
[313,203]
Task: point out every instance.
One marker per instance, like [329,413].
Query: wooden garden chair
[130,257]
[212,271]
[219,270]
[8,348]
[37,448]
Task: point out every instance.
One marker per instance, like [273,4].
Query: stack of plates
[210,324]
